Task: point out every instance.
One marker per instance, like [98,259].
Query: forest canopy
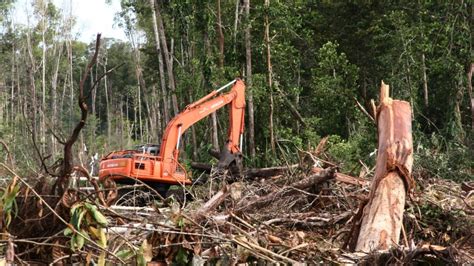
[311,69]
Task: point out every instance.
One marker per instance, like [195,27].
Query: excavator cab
[152,149]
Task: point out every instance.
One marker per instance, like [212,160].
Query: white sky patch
[92,17]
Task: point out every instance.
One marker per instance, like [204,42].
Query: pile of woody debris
[299,214]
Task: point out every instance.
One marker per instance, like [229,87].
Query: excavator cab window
[140,148]
[154,150]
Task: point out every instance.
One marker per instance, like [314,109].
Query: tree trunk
[270,74]
[139,102]
[43,77]
[166,55]
[469,91]
[107,104]
[248,59]
[382,216]
[425,80]
[193,131]
[207,86]
[54,88]
[221,35]
[236,24]
[31,70]
[166,117]
[215,133]
[12,96]
[141,88]
[459,130]
[94,94]
[155,115]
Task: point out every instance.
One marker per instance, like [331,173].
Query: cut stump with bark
[382,216]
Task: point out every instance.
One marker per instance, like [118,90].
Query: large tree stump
[382,216]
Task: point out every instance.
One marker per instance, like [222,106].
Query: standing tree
[248,69]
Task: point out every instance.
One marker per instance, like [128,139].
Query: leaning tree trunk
[382,217]
[67,165]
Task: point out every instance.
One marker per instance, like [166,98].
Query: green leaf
[141,259]
[10,198]
[74,207]
[124,254]
[182,257]
[68,231]
[181,222]
[79,241]
[81,238]
[77,217]
[96,214]
[73,242]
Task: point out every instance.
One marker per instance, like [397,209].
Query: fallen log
[250,172]
[280,170]
[211,204]
[306,183]
[343,178]
[381,219]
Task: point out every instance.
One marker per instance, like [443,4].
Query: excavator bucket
[230,163]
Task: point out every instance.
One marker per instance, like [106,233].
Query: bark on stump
[382,217]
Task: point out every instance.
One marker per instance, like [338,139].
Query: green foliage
[436,156]
[334,90]
[181,257]
[86,221]
[454,222]
[145,253]
[125,254]
[8,205]
[348,152]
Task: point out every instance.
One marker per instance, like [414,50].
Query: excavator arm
[198,110]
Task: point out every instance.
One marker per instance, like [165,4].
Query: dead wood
[268,171]
[215,153]
[424,254]
[308,182]
[310,221]
[211,204]
[67,163]
[381,219]
[252,173]
[205,167]
[343,178]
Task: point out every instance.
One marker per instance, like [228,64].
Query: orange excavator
[160,170]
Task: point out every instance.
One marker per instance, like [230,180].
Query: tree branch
[96,82]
